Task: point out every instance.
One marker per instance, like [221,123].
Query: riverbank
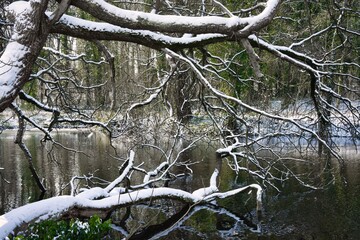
[279,119]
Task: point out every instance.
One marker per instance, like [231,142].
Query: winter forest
[211,112]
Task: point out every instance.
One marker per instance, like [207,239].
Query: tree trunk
[30,31]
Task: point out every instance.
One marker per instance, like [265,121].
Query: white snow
[118,190]
[4,90]
[174,20]
[106,27]
[137,16]
[19,7]
[11,61]
[123,174]
[45,208]
[20,10]
[155,172]
[233,21]
[203,192]
[269,10]
[55,206]
[228,149]
[10,66]
[93,193]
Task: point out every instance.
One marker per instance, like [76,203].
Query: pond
[294,213]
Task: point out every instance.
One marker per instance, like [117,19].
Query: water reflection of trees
[183,222]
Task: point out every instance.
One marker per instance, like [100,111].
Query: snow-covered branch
[27,39]
[101,199]
[86,29]
[170,23]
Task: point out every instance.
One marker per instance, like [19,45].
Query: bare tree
[189,58]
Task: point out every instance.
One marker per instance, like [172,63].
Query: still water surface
[295,213]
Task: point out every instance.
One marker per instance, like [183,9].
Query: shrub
[94,229]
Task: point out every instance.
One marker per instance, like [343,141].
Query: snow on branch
[20,53]
[22,115]
[85,122]
[86,29]
[10,66]
[172,23]
[62,8]
[202,192]
[36,102]
[58,206]
[155,172]
[123,174]
[257,187]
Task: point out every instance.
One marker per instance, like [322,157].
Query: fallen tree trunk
[99,200]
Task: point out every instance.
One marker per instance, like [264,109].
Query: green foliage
[95,228]
[240,69]
[203,221]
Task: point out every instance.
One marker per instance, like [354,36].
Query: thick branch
[254,58]
[177,24]
[28,38]
[89,30]
[56,206]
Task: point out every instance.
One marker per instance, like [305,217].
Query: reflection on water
[295,213]
[55,165]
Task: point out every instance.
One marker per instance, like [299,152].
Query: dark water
[294,213]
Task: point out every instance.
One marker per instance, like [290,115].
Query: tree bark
[30,31]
